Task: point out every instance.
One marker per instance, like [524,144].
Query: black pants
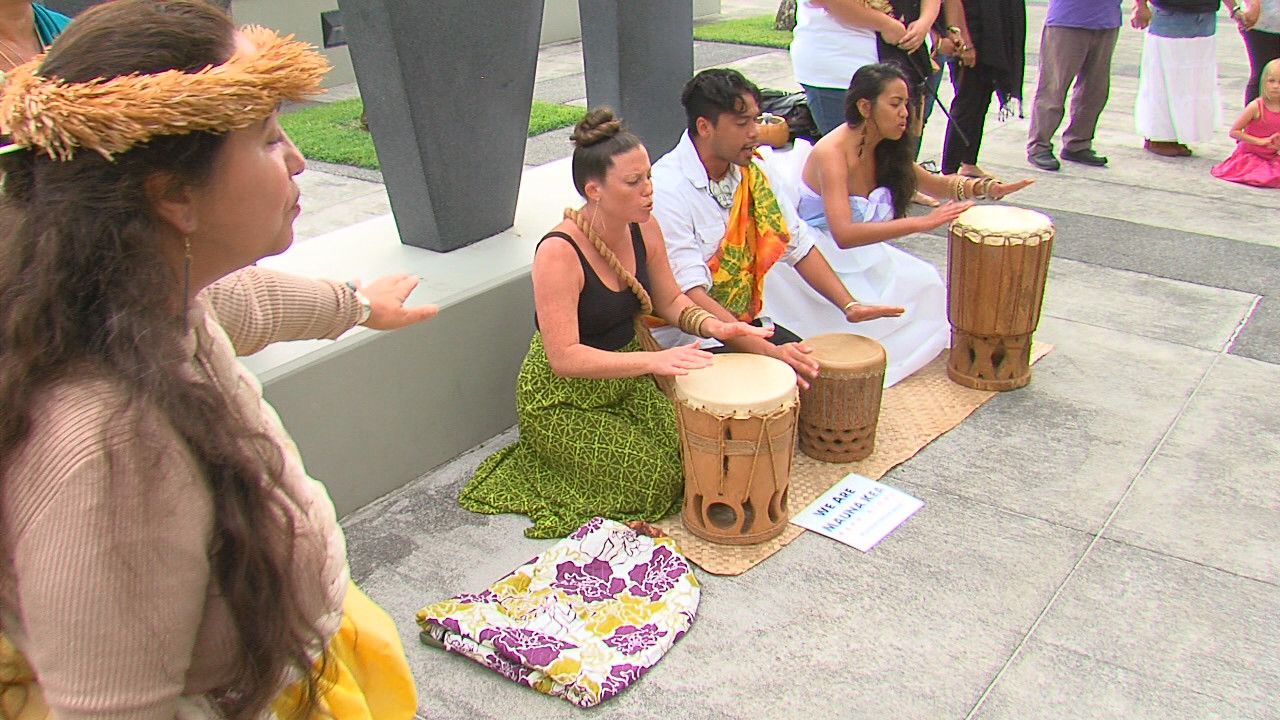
[1263,48]
[974,87]
[781,336]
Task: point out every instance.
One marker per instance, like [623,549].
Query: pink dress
[1251,164]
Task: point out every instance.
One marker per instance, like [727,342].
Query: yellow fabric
[20,696]
[367,676]
[755,238]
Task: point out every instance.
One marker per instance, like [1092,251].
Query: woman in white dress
[855,186]
[1178,101]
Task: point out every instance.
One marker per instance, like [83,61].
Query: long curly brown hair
[82,280]
[895,168]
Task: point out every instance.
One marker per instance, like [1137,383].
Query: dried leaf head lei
[111,115]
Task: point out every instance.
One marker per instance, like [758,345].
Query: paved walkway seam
[1164,438]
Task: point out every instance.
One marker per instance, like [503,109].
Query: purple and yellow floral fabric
[583,620]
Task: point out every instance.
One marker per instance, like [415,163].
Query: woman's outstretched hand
[943,214]
[1000,190]
[679,360]
[861,313]
[727,331]
[387,295]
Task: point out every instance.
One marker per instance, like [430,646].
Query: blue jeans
[826,105]
[1178,24]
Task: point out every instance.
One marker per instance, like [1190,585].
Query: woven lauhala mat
[912,414]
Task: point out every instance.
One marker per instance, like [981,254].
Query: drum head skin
[1003,225]
[845,351]
[739,385]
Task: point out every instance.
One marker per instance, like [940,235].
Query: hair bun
[598,125]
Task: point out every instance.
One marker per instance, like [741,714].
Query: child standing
[1255,161]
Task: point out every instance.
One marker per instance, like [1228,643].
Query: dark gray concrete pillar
[71,8]
[638,55]
[447,87]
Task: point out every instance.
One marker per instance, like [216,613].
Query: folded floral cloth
[583,620]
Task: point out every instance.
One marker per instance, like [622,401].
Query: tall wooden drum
[840,410]
[737,435]
[997,263]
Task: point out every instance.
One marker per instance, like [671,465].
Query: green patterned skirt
[587,447]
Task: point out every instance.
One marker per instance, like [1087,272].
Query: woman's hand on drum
[943,214]
[679,360]
[723,331]
[858,312]
[1000,190]
[797,356]
[386,298]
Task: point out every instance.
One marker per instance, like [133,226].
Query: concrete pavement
[1104,543]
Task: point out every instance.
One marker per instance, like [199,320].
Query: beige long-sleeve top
[106,585]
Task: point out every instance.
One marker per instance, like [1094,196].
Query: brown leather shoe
[1166,148]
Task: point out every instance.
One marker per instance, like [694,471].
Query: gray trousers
[1068,54]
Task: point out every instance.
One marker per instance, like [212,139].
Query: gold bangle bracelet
[850,304]
[692,318]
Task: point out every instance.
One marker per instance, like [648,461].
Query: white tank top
[825,53]
[1269,17]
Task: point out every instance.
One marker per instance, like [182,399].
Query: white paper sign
[858,511]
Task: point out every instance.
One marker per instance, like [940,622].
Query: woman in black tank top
[597,437]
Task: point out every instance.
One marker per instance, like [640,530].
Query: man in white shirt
[722,234]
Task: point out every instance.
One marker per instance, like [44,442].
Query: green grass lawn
[331,132]
[745,31]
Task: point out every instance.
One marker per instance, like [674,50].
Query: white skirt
[1178,90]
[878,274]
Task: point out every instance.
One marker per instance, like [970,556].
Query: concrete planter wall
[560,19]
[637,57]
[302,18]
[449,112]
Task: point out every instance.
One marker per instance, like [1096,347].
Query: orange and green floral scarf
[756,237]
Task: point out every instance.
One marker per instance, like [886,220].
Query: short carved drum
[841,408]
[997,262]
[737,435]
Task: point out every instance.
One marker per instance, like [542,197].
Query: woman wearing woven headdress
[26,30]
[597,436]
[998,29]
[164,552]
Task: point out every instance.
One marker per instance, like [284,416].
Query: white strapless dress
[876,274]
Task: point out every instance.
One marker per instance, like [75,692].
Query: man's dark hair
[713,92]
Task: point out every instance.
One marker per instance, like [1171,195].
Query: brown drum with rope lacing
[737,437]
[997,264]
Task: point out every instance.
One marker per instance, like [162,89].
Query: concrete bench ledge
[372,410]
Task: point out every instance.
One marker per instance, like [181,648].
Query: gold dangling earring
[594,210]
[862,141]
[186,279]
